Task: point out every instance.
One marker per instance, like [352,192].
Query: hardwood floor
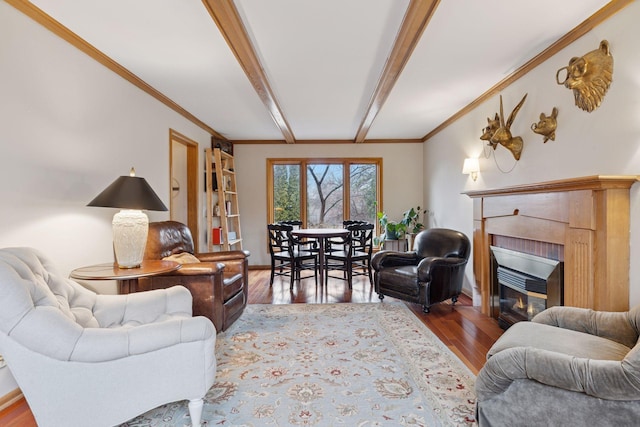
[462,328]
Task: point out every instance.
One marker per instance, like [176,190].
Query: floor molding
[10,398]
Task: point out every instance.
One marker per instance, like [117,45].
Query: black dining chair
[354,257]
[288,257]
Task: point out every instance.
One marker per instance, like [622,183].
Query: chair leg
[425,308]
[273,270]
[454,300]
[195,411]
[381,297]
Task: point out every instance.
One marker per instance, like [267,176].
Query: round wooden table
[127,277]
[320,234]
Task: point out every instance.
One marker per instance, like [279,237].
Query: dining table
[321,235]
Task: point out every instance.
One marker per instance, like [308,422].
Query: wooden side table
[127,277]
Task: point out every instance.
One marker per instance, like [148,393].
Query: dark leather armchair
[218,281]
[431,273]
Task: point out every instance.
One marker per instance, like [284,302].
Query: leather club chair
[433,272]
[218,281]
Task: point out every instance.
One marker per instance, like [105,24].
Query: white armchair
[86,359]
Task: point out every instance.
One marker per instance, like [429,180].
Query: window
[323,192]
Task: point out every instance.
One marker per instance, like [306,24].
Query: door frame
[192,181]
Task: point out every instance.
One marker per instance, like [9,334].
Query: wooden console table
[588,216]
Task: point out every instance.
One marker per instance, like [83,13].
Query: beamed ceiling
[299,71]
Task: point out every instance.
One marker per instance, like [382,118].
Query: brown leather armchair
[431,273]
[219,282]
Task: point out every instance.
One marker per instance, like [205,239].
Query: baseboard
[10,398]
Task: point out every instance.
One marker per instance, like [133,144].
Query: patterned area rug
[330,365]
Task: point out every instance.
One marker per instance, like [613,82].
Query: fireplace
[523,285]
[587,217]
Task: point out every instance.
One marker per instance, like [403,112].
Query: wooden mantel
[589,216]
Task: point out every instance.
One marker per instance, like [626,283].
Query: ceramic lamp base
[130,229]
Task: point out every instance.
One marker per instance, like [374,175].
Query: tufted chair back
[30,283]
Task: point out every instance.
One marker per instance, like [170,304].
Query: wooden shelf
[227,216]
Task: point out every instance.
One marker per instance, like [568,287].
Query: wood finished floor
[462,328]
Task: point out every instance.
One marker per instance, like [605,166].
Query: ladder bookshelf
[223,213]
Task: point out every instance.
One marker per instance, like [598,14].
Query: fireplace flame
[519,305]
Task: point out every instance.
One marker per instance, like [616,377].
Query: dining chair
[288,254]
[354,257]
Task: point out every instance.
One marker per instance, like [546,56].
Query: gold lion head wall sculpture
[589,77]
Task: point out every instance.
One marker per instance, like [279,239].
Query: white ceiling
[322,59]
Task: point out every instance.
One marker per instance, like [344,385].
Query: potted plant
[411,221]
[390,230]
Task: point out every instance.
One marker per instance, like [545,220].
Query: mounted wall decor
[589,77]
[547,125]
[499,132]
[492,127]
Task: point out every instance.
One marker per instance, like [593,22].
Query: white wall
[603,142]
[69,127]
[402,183]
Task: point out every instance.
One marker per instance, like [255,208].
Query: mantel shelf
[593,182]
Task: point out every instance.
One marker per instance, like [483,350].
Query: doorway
[183,186]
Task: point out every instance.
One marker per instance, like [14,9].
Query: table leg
[321,259]
[127,286]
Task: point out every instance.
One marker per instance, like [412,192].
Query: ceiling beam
[583,28]
[415,20]
[226,17]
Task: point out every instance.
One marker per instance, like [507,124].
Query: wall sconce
[471,167]
[130,225]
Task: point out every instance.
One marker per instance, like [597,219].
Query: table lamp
[130,225]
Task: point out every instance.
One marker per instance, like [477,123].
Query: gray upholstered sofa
[567,367]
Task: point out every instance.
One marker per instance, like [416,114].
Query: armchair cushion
[182,258]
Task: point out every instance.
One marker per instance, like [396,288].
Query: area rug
[330,365]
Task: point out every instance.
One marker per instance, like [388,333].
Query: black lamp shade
[129,192]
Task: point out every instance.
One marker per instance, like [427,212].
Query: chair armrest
[222,256]
[141,307]
[384,259]
[428,266]
[606,379]
[197,269]
[234,261]
[616,326]
[105,344]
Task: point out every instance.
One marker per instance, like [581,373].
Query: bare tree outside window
[362,190]
[325,184]
[315,191]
